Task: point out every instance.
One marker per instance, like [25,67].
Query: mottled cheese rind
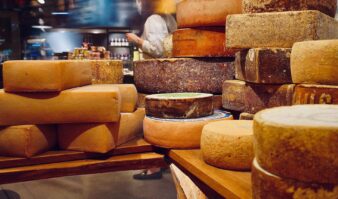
[45,75]
[315,62]
[27,140]
[267,185]
[228,144]
[264,65]
[92,103]
[178,133]
[204,75]
[251,98]
[257,6]
[201,42]
[246,116]
[261,29]
[101,137]
[315,94]
[202,13]
[107,71]
[298,142]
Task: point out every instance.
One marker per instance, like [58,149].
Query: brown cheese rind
[107,72]
[264,65]
[251,98]
[278,29]
[182,75]
[298,142]
[257,6]
[315,94]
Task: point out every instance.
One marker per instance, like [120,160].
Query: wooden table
[214,182]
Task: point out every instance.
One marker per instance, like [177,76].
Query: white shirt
[156,28]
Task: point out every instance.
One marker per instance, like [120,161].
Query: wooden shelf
[214,182]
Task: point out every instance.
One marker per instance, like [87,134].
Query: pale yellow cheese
[228,144]
[298,142]
[91,103]
[101,137]
[45,75]
[315,62]
[26,140]
[178,133]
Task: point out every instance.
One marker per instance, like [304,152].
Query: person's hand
[131,37]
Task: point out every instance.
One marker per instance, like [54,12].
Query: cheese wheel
[246,116]
[298,142]
[251,98]
[201,13]
[256,6]
[107,71]
[179,105]
[228,144]
[315,62]
[101,137]
[45,75]
[254,30]
[26,140]
[93,103]
[264,65]
[267,185]
[178,133]
[315,94]
[202,42]
[182,75]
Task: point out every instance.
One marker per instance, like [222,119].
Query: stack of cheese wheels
[39,94]
[175,120]
[272,59]
[296,152]
[228,144]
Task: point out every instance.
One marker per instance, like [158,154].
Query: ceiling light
[41,1]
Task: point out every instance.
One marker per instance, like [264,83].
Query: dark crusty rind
[315,94]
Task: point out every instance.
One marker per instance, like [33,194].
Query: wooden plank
[138,145]
[79,167]
[226,183]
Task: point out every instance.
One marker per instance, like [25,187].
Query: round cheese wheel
[298,142]
[228,144]
[315,94]
[179,105]
[267,185]
[315,62]
[201,13]
[178,133]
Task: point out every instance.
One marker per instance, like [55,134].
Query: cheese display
[45,75]
[315,62]
[101,137]
[251,98]
[199,13]
[93,103]
[202,42]
[203,75]
[255,30]
[267,185]
[315,94]
[256,6]
[107,71]
[178,133]
[228,144]
[246,116]
[26,140]
[264,65]
[298,142]
[179,105]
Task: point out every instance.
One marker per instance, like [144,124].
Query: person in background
[156,28]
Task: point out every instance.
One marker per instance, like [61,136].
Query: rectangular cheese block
[93,103]
[27,140]
[251,98]
[315,94]
[107,71]
[264,65]
[45,75]
[278,29]
[101,137]
[256,6]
